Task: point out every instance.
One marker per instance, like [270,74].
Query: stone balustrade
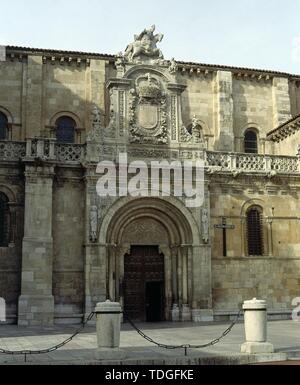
[42,149]
[12,151]
[252,163]
[49,150]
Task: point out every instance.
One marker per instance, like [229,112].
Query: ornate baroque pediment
[145,97]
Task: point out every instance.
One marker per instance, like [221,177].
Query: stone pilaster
[97,86]
[281,101]
[36,304]
[95,254]
[202,284]
[223,111]
[34,96]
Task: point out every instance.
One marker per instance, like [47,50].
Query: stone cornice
[125,83]
[20,53]
[285,130]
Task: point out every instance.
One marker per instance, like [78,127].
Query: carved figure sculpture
[145,44]
[94,224]
[205,225]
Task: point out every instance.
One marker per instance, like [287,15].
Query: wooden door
[143,266]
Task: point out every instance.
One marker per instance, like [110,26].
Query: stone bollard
[256,328]
[108,331]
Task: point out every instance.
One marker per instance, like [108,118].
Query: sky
[262,34]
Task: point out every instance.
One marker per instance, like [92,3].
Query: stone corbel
[176,88]
[119,84]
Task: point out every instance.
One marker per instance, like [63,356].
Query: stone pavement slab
[285,335]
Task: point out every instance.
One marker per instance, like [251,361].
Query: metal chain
[50,350]
[187,346]
[140,332]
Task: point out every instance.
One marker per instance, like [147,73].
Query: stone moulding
[285,130]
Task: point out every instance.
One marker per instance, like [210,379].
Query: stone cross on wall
[224,226]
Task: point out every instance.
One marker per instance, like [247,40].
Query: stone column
[179,277]
[112,272]
[175,315]
[165,250]
[95,253]
[186,311]
[36,304]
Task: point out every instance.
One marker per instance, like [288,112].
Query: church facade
[64,248]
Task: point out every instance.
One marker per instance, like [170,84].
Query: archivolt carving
[145,231]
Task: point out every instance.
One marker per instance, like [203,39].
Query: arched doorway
[149,258]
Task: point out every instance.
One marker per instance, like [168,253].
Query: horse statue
[145,44]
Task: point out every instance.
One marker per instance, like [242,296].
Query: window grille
[255,232]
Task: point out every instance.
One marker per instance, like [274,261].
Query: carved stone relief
[145,231]
[95,134]
[193,133]
[148,111]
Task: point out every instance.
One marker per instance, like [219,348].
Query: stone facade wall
[236,280]
[68,254]
[57,272]
[274,277]
[279,204]
[12,186]
[12,95]
[35,92]
[198,100]
[253,108]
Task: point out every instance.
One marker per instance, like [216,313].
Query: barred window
[3,126]
[251,142]
[4,221]
[255,231]
[65,130]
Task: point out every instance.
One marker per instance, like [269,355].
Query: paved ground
[285,335]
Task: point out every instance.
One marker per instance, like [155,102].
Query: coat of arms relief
[148,111]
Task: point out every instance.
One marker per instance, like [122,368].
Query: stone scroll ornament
[144,46]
